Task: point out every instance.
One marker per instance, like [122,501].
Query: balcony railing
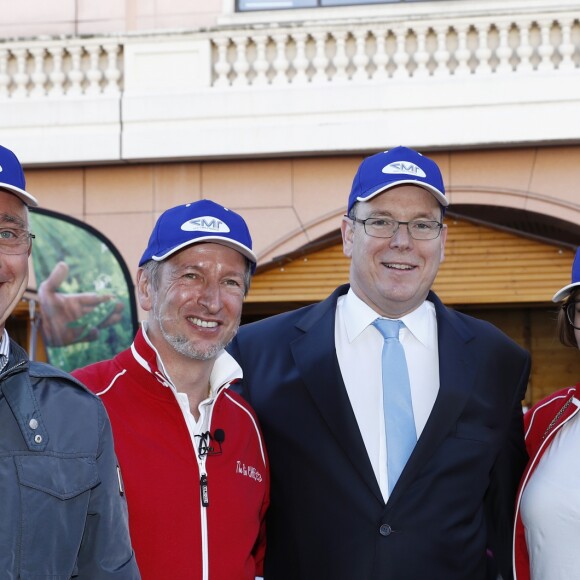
[299,56]
[258,89]
[53,68]
[402,51]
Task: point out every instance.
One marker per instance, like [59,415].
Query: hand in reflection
[72,318]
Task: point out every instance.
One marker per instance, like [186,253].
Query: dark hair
[564,328]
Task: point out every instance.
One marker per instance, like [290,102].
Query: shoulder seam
[258,434]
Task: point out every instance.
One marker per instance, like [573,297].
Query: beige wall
[80,17]
[540,179]
[290,202]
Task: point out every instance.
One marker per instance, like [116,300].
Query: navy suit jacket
[454,500]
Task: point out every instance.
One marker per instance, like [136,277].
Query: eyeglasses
[572,313]
[385,228]
[15,242]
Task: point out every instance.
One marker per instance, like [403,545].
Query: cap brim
[565,292]
[24,196]
[433,190]
[213,239]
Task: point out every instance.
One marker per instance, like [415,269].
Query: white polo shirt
[359,348]
[224,370]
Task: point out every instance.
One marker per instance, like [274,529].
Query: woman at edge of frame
[547,524]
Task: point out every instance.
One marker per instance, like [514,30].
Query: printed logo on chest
[248,471]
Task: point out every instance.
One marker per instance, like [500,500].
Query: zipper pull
[204,496]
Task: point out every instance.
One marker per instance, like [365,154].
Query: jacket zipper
[554,422]
[10,371]
[204,501]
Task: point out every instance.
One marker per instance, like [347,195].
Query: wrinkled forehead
[13,220]
[12,210]
[408,197]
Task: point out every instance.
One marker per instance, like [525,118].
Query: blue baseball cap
[199,221]
[12,177]
[398,166]
[567,290]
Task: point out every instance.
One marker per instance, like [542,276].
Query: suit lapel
[316,360]
[457,370]
[318,367]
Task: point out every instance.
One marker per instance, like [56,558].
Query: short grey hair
[352,213]
[152,268]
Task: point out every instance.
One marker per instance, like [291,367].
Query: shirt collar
[358,316]
[4,350]
[224,371]
[5,344]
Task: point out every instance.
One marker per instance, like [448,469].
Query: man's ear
[144,291]
[347,230]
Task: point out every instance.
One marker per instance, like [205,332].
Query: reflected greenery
[93,267]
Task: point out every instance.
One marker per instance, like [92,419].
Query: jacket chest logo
[248,471]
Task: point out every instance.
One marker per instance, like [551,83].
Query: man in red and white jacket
[194,464]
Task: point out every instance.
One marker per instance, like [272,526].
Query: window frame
[317,4]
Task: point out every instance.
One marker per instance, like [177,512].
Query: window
[249,5]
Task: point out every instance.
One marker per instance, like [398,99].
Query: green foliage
[92,268]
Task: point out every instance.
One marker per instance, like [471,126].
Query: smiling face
[13,267]
[394,275]
[195,304]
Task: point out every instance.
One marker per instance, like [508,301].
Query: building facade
[122,109]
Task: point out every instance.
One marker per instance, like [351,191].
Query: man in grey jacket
[63,512]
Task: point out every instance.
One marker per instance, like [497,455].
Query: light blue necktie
[397,405]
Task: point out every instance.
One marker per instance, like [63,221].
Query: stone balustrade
[406,50]
[314,54]
[465,79]
[53,68]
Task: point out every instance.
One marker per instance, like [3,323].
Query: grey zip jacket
[63,512]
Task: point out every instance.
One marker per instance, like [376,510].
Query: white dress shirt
[359,348]
[4,349]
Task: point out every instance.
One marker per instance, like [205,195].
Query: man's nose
[210,296]
[402,237]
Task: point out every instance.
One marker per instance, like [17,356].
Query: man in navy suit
[315,378]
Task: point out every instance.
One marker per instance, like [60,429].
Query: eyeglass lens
[418,230]
[573,314]
[15,246]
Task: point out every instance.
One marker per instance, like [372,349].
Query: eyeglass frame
[569,318]
[399,224]
[28,236]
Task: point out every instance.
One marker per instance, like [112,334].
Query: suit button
[385,530]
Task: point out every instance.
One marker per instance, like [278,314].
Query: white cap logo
[400,167]
[205,224]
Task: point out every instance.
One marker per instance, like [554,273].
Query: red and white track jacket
[541,424]
[190,517]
